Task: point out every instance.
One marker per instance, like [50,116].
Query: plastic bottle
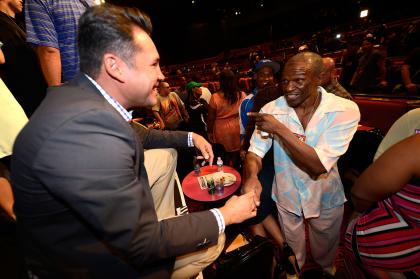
[196,165]
[219,164]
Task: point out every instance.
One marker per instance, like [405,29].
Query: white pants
[160,165]
[324,235]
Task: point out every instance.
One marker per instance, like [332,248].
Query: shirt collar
[127,115]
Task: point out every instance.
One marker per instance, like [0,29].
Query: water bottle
[196,164]
[219,164]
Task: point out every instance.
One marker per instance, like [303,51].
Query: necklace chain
[314,106]
[312,111]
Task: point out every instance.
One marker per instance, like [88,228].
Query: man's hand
[162,125]
[252,184]
[204,146]
[265,122]
[238,209]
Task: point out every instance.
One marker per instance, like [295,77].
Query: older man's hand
[204,146]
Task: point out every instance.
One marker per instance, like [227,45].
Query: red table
[191,187]
[362,127]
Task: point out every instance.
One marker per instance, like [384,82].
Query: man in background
[370,72]
[52,29]
[170,110]
[265,70]
[329,79]
[21,71]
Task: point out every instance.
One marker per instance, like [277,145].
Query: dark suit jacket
[82,198]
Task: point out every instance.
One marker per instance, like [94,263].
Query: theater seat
[358,156]
[244,84]
[380,113]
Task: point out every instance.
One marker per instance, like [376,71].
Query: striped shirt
[54,23]
[127,115]
[386,236]
[329,133]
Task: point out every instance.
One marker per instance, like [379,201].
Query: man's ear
[319,78]
[114,67]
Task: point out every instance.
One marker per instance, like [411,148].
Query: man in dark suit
[82,197]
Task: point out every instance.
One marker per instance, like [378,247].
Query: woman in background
[223,116]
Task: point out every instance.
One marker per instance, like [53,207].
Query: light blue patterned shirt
[329,132]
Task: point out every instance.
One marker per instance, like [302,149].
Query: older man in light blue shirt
[310,130]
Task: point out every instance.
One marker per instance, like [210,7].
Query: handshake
[239,208]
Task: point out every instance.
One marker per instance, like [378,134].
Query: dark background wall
[184,31]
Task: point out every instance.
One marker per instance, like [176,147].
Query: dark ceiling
[184,31]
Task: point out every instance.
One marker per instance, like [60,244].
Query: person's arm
[50,61]
[388,174]
[159,118]
[2,59]
[204,146]
[6,197]
[258,147]
[152,138]
[253,165]
[303,155]
[238,209]
[96,177]
[330,146]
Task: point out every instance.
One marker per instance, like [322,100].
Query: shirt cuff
[219,218]
[190,141]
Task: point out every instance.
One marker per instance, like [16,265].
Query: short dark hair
[108,28]
[313,59]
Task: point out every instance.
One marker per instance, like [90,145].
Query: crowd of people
[372,60]
[92,192]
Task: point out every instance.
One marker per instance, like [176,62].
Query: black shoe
[290,264]
[316,274]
